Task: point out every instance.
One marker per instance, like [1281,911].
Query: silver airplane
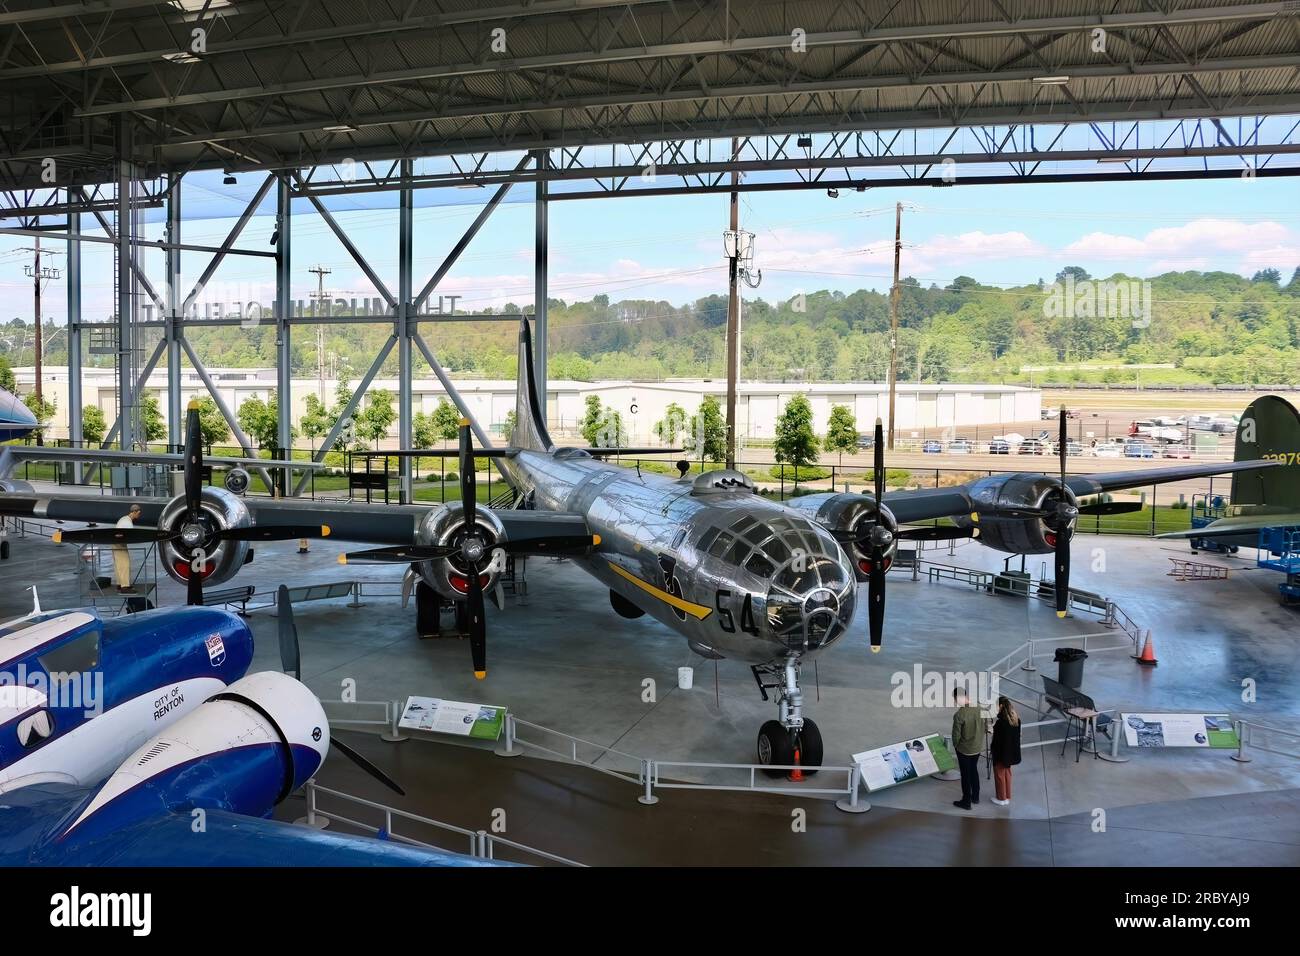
[738,575]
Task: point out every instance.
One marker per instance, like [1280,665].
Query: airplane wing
[1239,525]
[926,504]
[33,818]
[368,523]
[1120,480]
[11,456]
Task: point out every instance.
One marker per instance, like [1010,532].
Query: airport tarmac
[562,659]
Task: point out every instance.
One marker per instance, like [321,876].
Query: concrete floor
[561,658]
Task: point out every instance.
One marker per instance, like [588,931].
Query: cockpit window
[763,546]
[78,655]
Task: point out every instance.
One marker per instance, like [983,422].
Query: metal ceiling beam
[669,51]
[744,91]
[323,35]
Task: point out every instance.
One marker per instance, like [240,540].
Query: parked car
[1108,449]
[932,447]
[1138,449]
[961,446]
[999,446]
[1176,450]
[866,441]
[1034,446]
[1072,447]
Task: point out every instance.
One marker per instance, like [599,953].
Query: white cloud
[1199,244]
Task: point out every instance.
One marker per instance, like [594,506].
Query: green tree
[152,426]
[260,421]
[709,430]
[591,420]
[7,380]
[424,432]
[672,424]
[508,428]
[841,431]
[374,422]
[42,407]
[446,420]
[213,427]
[94,426]
[317,420]
[610,432]
[796,443]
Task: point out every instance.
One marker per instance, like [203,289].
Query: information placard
[480,721]
[1180,730]
[904,761]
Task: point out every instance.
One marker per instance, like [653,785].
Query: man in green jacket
[968,741]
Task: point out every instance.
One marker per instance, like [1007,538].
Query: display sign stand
[947,776]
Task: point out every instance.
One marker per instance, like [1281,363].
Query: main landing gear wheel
[775,747]
[426,610]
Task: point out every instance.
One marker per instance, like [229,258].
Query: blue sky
[671,248]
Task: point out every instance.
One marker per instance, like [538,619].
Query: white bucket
[685,677]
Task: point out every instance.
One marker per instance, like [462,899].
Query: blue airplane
[140,741]
[16,419]
[199,793]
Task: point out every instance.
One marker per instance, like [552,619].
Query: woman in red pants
[1005,750]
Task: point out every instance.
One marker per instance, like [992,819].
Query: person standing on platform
[968,741]
[1005,750]
[121,556]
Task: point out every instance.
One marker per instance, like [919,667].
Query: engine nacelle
[244,751]
[194,552]
[1009,534]
[845,514]
[446,526]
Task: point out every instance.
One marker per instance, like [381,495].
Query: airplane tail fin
[1269,429]
[530,414]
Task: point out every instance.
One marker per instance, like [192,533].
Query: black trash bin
[1069,666]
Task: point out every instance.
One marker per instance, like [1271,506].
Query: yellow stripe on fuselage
[697,611]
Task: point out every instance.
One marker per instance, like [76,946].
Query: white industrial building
[642,404]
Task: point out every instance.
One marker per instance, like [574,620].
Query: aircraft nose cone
[809,606]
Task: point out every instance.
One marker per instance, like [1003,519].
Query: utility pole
[893,322]
[733,313]
[39,274]
[320,272]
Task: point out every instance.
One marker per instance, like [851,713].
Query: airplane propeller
[473,550]
[194,531]
[1062,517]
[291,662]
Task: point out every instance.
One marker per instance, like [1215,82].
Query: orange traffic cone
[1148,655]
[796,774]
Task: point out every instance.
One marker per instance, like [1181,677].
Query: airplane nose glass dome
[810,601]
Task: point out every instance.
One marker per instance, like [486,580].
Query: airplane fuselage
[737,575]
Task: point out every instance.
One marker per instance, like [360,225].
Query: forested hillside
[1212,326]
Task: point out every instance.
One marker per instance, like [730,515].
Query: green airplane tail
[1269,429]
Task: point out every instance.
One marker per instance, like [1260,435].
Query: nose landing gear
[792,739]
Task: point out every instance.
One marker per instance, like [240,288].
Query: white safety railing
[1246,730]
[475,843]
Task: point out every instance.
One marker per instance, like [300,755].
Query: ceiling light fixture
[1051,80]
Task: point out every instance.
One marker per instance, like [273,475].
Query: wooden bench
[229,596]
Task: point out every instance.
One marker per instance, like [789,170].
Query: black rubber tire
[810,747]
[426,610]
[462,619]
[775,747]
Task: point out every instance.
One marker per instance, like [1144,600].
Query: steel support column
[283,308]
[402,330]
[172,329]
[126,386]
[74,331]
[540,256]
